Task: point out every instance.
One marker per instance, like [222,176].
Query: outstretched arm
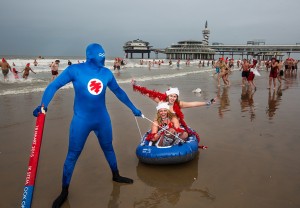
[153,94]
[64,78]
[51,89]
[122,96]
[32,70]
[196,103]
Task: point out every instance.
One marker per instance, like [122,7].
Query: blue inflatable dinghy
[180,153]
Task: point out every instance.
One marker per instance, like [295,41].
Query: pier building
[137,46]
[191,49]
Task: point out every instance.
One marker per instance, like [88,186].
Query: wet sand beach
[252,158]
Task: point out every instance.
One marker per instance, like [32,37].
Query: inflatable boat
[149,153]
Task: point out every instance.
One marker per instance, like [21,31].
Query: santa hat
[172,91]
[162,105]
[28,64]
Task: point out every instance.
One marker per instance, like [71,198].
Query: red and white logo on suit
[95,86]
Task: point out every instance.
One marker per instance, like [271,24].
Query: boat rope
[137,123]
[163,129]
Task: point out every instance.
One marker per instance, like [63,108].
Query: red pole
[33,160]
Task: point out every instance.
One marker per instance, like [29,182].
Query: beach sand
[252,158]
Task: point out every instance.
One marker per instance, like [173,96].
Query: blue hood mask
[95,54]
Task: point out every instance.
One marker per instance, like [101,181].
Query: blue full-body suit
[90,81]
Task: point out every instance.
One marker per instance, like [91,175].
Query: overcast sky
[66,27]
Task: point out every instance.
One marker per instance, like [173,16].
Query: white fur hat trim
[172,91]
[162,105]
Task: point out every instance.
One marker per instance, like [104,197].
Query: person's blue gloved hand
[137,112]
[38,110]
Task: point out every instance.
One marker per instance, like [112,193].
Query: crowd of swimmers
[249,68]
[6,68]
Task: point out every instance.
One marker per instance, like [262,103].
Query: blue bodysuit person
[90,81]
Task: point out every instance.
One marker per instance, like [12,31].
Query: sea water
[132,70]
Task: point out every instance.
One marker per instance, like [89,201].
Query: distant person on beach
[224,72]
[5,68]
[267,64]
[188,62]
[90,81]
[26,71]
[165,127]
[217,67]
[251,75]
[35,63]
[231,63]
[117,65]
[273,73]
[245,66]
[199,64]
[69,63]
[54,69]
[281,72]
[178,63]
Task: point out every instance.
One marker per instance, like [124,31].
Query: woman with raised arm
[172,97]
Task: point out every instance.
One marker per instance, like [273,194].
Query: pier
[261,52]
[137,46]
[195,49]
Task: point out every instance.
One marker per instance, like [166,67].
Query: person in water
[5,68]
[273,73]
[172,97]
[26,71]
[90,81]
[15,72]
[165,127]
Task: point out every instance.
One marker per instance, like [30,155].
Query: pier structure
[260,52]
[137,46]
[195,49]
[189,49]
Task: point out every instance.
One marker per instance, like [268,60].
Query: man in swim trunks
[5,68]
[54,69]
[245,71]
[90,81]
[281,73]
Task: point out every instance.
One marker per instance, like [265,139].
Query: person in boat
[165,129]
[172,97]
[90,81]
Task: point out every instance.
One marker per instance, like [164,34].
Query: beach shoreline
[251,161]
